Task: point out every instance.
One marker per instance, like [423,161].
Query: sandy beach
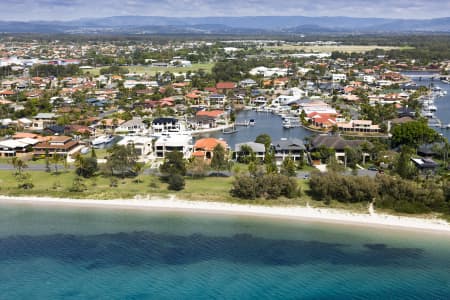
[293,213]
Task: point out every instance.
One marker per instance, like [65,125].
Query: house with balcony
[166,125]
[142,145]
[135,126]
[204,148]
[43,120]
[364,126]
[284,148]
[258,149]
[166,144]
[205,119]
[57,145]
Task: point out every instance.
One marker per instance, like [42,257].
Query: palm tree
[19,165]
[56,159]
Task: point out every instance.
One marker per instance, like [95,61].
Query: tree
[19,165]
[77,185]
[197,167]
[246,155]
[56,159]
[269,160]
[121,161]
[413,134]
[264,139]
[288,167]
[176,182]
[403,165]
[173,164]
[219,161]
[47,161]
[85,167]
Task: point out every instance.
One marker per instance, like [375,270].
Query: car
[372,168]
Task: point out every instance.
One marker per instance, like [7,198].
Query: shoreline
[297,213]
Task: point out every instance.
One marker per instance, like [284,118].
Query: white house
[339,77]
[294,94]
[134,126]
[165,144]
[142,145]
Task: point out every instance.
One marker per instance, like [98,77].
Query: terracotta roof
[60,138]
[225,85]
[208,144]
[23,135]
[211,113]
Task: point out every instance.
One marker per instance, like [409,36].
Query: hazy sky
[74,9]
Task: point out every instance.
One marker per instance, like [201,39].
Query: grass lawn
[203,189]
[153,70]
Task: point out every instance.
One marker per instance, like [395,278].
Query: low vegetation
[387,192]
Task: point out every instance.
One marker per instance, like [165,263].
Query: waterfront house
[142,145]
[181,143]
[258,149]
[294,148]
[216,100]
[204,148]
[166,125]
[206,119]
[363,126]
[57,145]
[425,166]
[337,143]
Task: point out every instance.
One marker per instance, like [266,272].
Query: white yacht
[102,140]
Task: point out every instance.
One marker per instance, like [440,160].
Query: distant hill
[229,25]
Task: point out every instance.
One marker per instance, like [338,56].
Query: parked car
[372,168]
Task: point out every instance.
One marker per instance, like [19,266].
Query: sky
[25,10]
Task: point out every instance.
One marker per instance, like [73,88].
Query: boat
[229,130]
[251,122]
[291,122]
[432,107]
[84,150]
[102,140]
[428,114]
[242,123]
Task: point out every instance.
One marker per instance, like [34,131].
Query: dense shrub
[389,192]
[176,182]
[269,186]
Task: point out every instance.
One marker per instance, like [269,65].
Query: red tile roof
[211,113]
[208,144]
[225,85]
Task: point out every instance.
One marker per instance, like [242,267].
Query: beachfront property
[258,149]
[17,147]
[57,145]
[204,148]
[338,144]
[165,144]
[284,148]
[142,145]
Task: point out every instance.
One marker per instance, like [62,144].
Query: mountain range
[229,25]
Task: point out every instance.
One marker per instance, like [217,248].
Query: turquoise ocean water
[80,253]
